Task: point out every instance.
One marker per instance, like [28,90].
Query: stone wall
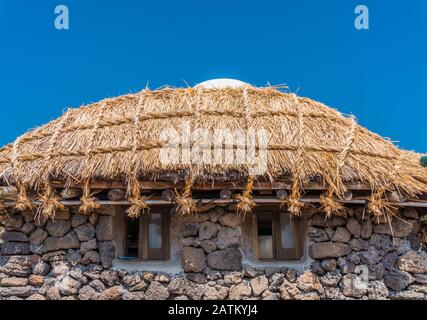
[72,257]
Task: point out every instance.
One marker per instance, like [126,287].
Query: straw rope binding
[149,145]
[50,202]
[179,114]
[185,204]
[23,202]
[137,203]
[245,201]
[89,203]
[328,202]
[378,204]
[294,203]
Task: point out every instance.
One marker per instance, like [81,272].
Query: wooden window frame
[144,252]
[279,253]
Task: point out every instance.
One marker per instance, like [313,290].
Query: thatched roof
[119,138]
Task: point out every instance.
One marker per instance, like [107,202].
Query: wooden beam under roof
[258,200]
[161,185]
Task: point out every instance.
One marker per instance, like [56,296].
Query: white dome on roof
[221,83]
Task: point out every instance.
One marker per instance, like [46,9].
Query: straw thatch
[119,139]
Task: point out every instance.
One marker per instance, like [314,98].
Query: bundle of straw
[23,202]
[185,204]
[50,202]
[331,206]
[137,202]
[293,202]
[378,205]
[245,202]
[89,203]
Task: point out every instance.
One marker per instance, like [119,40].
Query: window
[147,237]
[278,235]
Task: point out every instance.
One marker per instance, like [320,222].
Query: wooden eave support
[160,185]
[258,200]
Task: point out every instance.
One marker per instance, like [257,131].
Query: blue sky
[116,47]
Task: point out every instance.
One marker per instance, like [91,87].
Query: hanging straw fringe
[137,202]
[294,203]
[328,202]
[331,206]
[23,202]
[89,203]
[378,204]
[135,134]
[295,206]
[246,203]
[338,186]
[50,202]
[186,204]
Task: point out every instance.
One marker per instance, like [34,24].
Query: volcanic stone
[156,291]
[70,241]
[324,250]
[367,229]
[231,220]
[28,228]
[193,259]
[69,286]
[227,237]
[14,282]
[190,229]
[414,262]
[341,235]
[88,245]
[400,228]
[14,222]
[227,259]
[58,228]
[329,264]
[107,252]
[85,232]
[259,285]
[38,236]
[14,236]
[354,227]
[14,248]
[240,291]
[398,280]
[78,220]
[207,230]
[91,257]
[104,228]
